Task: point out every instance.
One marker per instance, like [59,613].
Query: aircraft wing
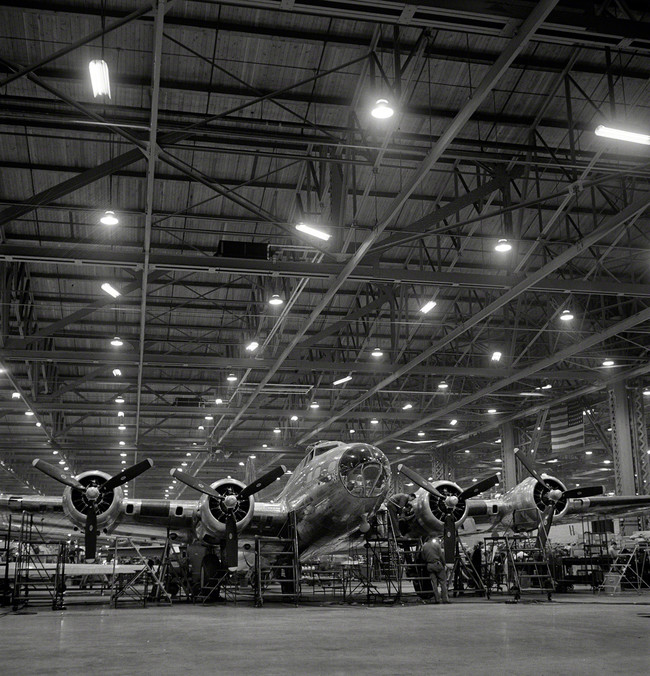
[614,505]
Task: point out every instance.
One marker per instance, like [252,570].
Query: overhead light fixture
[265,445]
[442,385]
[646,393]
[453,422]
[382,110]
[503,246]
[491,410]
[496,356]
[340,381]
[589,452]
[109,218]
[122,443]
[29,412]
[241,464]
[252,346]
[201,427]
[119,400]
[608,362]
[117,372]
[547,386]
[99,79]
[15,395]
[277,430]
[38,424]
[566,316]
[275,299]
[209,417]
[374,421]
[407,407]
[231,378]
[622,135]
[607,462]
[314,404]
[467,450]
[314,232]
[188,455]
[117,342]
[110,290]
[353,431]
[498,460]
[121,428]
[122,455]
[420,434]
[377,352]
[120,414]
[61,462]
[252,457]
[66,468]
[294,418]
[427,307]
[218,400]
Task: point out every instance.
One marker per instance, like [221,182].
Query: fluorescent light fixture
[209,417]
[15,395]
[566,316]
[420,434]
[314,404]
[622,135]
[109,218]
[99,78]
[453,422]
[503,246]
[607,462]
[117,342]
[275,300]
[122,455]
[377,352]
[406,407]
[121,428]
[374,421]
[117,372]
[277,430]
[443,385]
[608,362]
[382,110]
[427,307]
[218,400]
[498,460]
[491,410]
[119,400]
[314,232]
[29,412]
[252,346]
[589,452]
[496,356]
[294,418]
[340,381]
[110,290]
[252,457]
[231,378]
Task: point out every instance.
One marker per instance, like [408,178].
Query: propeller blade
[194,483]
[531,469]
[480,487]
[420,481]
[90,534]
[545,523]
[126,475]
[57,474]
[264,481]
[231,553]
[449,539]
[583,492]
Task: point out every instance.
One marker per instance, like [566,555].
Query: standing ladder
[627,570]
[173,572]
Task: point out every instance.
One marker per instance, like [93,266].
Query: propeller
[553,496]
[92,494]
[449,504]
[229,504]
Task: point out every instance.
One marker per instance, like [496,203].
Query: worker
[400,511]
[613,550]
[434,558]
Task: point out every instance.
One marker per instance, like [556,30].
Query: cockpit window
[364,471]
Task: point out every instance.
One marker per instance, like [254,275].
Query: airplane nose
[364,471]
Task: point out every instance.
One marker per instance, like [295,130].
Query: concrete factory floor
[571,635]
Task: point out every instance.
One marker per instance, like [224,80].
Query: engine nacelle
[528,499]
[430,511]
[213,512]
[76,505]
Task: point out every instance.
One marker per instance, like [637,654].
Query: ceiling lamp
[374,421]
[38,424]
[382,110]
[427,307]
[566,316]
[265,445]
[120,414]
[99,78]
[277,430]
[122,443]
[420,434]
[314,232]
[218,400]
[491,411]
[353,431]
[241,464]
[406,407]
[377,353]
[294,418]
[453,422]
[29,412]
[117,372]
[110,290]
[646,393]
[496,356]
[547,386]
[622,135]
[442,385]
[201,427]
[340,381]
[121,428]
[503,246]
[252,346]
[231,378]
[119,400]
[275,300]
[117,342]
[608,362]
[15,395]
[252,457]
[209,417]
[109,218]
[314,404]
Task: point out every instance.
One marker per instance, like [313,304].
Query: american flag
[567,426]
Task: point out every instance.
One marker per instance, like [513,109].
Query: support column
[442,466]
[508,460]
